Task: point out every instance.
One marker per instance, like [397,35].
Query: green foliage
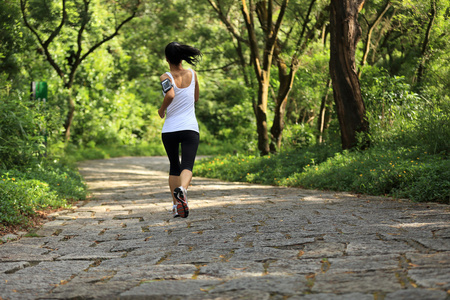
[47,185]
[224,109]
[391,105]
[398,115]
[21,129]
[431,128]
[397,172]
[298,136]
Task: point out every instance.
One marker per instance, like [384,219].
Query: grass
[398,172]
[25,192]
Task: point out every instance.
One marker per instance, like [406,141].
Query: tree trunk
[426,41]
[262,66]
[345,34]
[321,123]
[261,114]
[69,116]
[286,81]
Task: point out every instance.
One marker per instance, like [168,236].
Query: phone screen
[166,85]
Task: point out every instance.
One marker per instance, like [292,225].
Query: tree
[268,47]
[345,33]
[77,30]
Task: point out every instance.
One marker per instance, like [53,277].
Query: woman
[181,91]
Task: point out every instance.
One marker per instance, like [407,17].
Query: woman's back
[181,112]
[182,78]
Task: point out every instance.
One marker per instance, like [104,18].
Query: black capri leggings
[189,141]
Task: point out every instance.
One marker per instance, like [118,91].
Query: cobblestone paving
[240,241]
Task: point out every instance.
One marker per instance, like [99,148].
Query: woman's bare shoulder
[164,76]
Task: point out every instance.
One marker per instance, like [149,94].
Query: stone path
[240,241]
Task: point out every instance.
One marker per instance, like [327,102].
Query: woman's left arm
[197,90]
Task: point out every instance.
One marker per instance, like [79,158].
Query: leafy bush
[391,105]
[431,128]
[21,125]
[399,172]
[50,185]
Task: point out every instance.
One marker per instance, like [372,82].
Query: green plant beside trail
[30,181]
[43,186]
[408,173]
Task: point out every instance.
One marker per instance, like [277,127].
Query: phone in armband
[166,85]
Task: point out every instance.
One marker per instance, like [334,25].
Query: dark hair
[176,52]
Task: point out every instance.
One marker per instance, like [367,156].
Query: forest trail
[241,241]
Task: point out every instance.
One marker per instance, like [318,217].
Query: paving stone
[37,280]
[364,263]
[417,294]
[348,282]
[283,285]
[349,296]
[8,237]
[230,270]
[170,288]
[438,278]
[377,247]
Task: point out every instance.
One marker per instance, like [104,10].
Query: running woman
[181,92]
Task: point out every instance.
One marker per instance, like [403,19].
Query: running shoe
[180,194]
[175,211]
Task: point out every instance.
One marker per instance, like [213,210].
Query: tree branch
[57,29]
[279,21]
[304,27]
[78,60]
[369,35]
[44,45]
[248,18]
[227,23]
[111,36]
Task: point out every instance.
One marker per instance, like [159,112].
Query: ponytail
[176,52]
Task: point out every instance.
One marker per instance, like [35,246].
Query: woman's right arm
[168,98]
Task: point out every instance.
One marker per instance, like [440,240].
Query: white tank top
[181,112]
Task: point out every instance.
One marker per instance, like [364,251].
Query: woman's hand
[162,113]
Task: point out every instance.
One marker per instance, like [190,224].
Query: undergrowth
[46,185]
[409,173]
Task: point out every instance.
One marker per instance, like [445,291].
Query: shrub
[46,185]
[21,125]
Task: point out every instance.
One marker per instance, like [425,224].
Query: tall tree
[345,33]
[262,60]
[268,48]
[76,16]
